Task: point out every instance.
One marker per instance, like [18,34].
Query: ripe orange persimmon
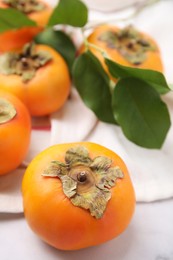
[126,46]
[40,14]
[15,130]
[77,195]
[14,39]
[39,77]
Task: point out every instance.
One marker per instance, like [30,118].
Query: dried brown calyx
[24,64]
[7,111]
[85,181]
[131,44]
[25,6]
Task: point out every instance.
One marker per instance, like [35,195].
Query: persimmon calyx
[25,6]
[7,111]
[85,181]
[131,44]
[24,64]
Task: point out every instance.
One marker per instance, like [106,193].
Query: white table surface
[148,237]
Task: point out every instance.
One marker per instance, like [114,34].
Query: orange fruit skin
[42,17]
[14,136]
[47,91]
[153,60]
[15,39]
[53,217]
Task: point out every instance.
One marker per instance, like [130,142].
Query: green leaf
[154,78]
[92,84]
[60,42]
[71,12]
[141,113]
[171,86]
[11,19]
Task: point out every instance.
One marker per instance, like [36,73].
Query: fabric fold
[73,122]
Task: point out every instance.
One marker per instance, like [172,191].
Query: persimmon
[126,46]
[15,131]
[36,10]
[77,195]
[15,39]
[38,76]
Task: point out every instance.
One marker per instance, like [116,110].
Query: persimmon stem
[139,8]
[7,111]
[91,45]
[104,54]
[27,6]
[25,63]
[111,86]
[84,39]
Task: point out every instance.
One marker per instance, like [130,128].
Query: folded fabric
[110,6]
[10,192]
[72,123]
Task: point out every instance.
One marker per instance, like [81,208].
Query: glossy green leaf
[154,78]
[140,112]
[60,41]
[92,84]
[11,19]
[71,12]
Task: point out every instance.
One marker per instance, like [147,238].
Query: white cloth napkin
[73,122]
[10,194]
[110,5]
[151,170]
